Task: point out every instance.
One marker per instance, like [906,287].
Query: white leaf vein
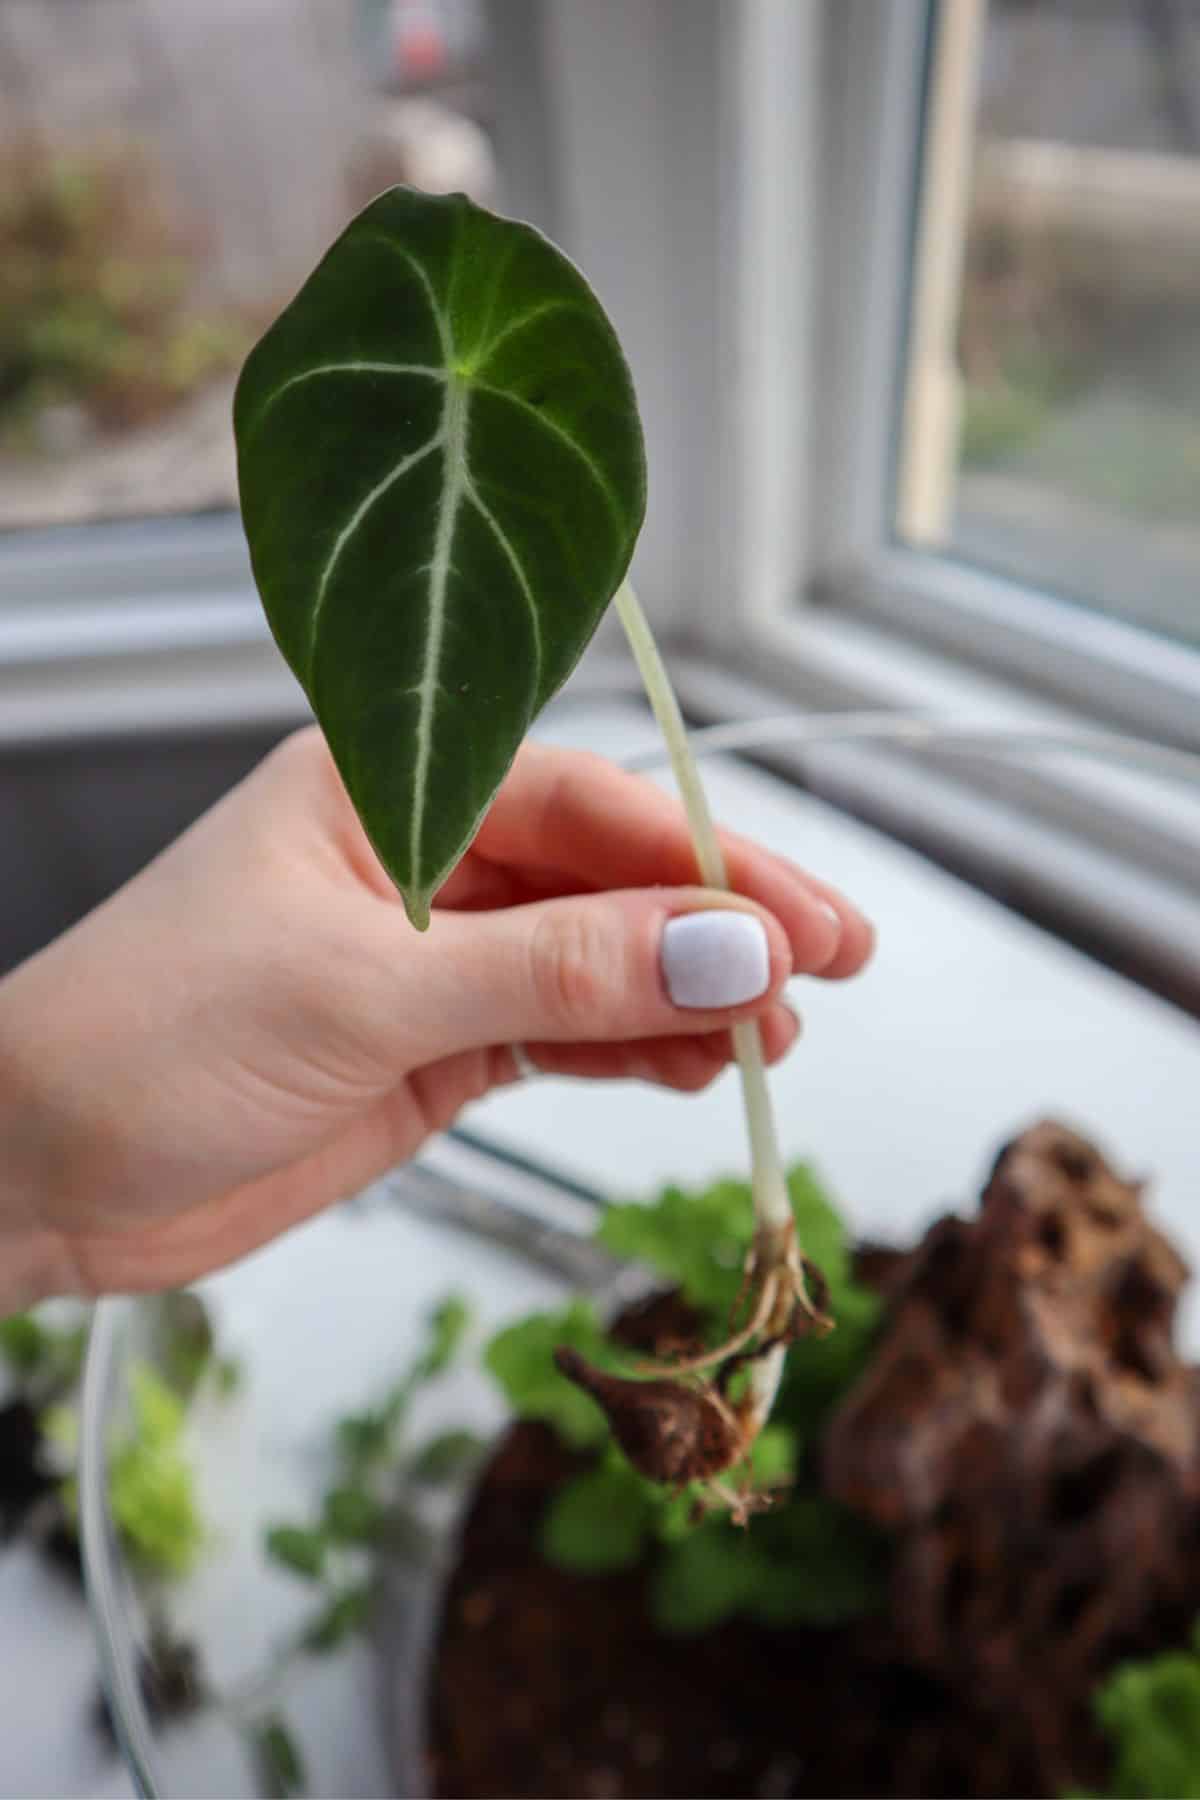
[352,524]
[518,568]
[564,436]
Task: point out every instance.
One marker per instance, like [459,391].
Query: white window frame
[758,272]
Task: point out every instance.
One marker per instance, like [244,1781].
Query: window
[1051,426]
[168,175]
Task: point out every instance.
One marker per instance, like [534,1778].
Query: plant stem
[771,1204]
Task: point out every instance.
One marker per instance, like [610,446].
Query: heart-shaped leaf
[442,480]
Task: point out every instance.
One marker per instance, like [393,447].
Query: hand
[251,1029]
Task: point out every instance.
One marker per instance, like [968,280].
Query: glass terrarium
[314,1338]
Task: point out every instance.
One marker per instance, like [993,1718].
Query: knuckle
[574,956]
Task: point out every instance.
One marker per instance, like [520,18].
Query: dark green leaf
[703,1578]
[297,1548]
[807,1562]
[277,1759]
[522,1361]
[346,1613]
[23,1342]
[820,1371]
[442,481]
[351,1515]
[184,1339]
[446,1457]
[598,1521]
[363,1440]
[817,1565]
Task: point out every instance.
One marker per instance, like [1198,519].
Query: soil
[1026,1434]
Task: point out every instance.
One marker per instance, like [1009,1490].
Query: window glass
[1051,412]
[169,172]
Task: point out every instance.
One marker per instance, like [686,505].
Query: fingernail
[832,914]
[718,958]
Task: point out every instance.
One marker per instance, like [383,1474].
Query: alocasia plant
[442,478]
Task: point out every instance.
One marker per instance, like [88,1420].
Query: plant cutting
[442,477]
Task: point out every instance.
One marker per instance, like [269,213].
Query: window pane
[1051,424]
[169,172]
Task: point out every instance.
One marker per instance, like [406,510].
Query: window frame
[1033,637]
[769,553]
[770,151]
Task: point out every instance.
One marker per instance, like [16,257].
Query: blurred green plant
[1150,1711]
[363,1507]
[99,291]
[151,1485]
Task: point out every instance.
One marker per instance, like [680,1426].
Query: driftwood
[1027,1436]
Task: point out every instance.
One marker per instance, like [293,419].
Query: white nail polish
[712,959]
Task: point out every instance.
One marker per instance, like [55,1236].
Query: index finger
[576,817]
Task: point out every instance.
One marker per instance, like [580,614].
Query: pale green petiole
[777,1256]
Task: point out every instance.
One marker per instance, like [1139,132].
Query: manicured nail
[718,958]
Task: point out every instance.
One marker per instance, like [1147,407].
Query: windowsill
[1108,856]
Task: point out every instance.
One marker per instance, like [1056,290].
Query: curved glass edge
[106,1604]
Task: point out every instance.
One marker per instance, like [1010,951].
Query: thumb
[600,967]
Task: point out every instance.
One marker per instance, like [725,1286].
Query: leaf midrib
[453,433]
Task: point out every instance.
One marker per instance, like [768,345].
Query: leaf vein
[519,324]
[454,435]
[345,368]
[556,430]
[364,506]
[518,568]
[440,317]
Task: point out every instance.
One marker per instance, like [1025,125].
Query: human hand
[251,1029]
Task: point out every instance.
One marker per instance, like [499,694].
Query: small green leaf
[446,1457]
[1151,1712]
[522,1361]
[448,1325]
[823,1369]
[157,1412]
[698,1239]
[807,1562]
[352,1515]
[228,1371]
[348,1612]
[277,1758]
[23,1342]
[151,1487]
[817,1565]
[298,1548]
[184,1340]
[598,1521]
[363,1440]
[704,1578]
[442,480]
[60,1426]
[773,1457]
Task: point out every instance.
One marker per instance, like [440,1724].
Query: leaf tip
[417,908]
